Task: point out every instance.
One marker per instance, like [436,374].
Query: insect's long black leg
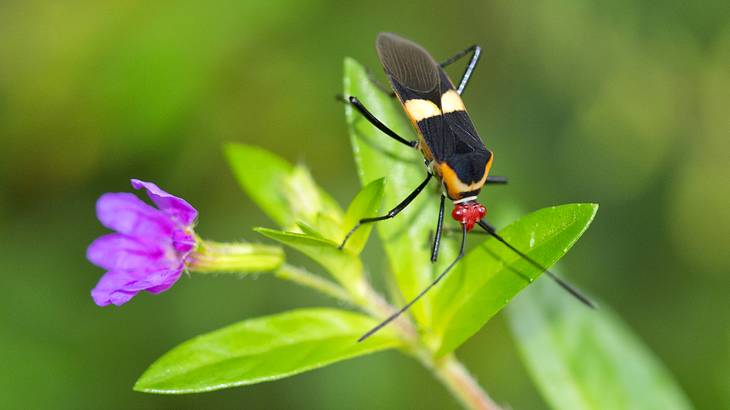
[496,180]
[423,292]
[376,122]
[456,57]
[393,212]
[563,284]
[439,229]
[476,54]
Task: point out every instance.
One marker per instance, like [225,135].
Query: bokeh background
[624,103]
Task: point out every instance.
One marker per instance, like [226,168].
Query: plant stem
[304,278]
[377,307]
[448,370]
[461,384]
[216,257]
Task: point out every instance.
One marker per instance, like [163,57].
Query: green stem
[461,384]
[378,307]
[318,283]
[448,370]
[215,257]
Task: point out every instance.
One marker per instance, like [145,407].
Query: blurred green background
[623,103]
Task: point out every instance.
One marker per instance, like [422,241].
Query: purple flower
[150,247]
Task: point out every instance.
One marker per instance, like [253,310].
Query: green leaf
[262,175]
[583,359]
[490,275]
[286,193]
[406,237]
[342,265]
[263,349]
[365,205]
[311,204]
[309,230]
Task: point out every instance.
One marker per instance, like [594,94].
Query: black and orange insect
[453,151]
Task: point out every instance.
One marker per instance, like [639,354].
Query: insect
[452,150]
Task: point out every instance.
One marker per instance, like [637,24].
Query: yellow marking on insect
[451,101]
[419,109]
[455,187]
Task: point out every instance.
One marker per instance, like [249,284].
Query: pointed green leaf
[491,274]
[365,205]
[309,230]
[262,175]
[341,264]
[406,237]
[284,192]
[583,359]
[263,349]
[311,204]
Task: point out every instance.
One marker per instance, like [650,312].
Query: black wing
[464,152]
[407,63]
[453,139]
[415,75]
[451,133]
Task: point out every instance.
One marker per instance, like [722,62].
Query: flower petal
[121,252]
[125,213]
[178,208]
[118,287]
[164,280]
[109,289]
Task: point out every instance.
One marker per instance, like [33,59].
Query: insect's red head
[468,213]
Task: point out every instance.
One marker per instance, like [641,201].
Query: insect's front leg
[393,212]
[439,229]
[476,52]
[496,180]
[376,122]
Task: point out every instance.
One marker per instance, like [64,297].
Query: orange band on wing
[455,187]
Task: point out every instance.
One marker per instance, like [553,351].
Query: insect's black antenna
[423,292]
[563,284]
